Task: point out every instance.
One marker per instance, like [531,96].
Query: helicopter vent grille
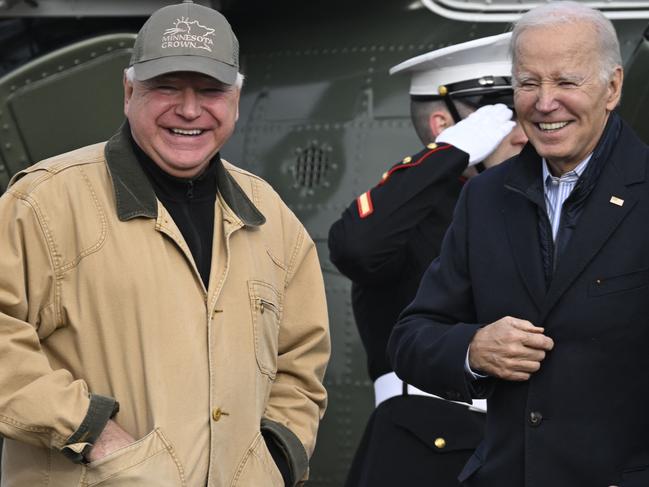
[312,164]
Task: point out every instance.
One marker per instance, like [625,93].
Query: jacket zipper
[264,304]
[546,223]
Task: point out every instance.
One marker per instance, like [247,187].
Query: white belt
[389,385]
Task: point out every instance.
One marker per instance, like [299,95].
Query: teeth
[187,132]
[552,126]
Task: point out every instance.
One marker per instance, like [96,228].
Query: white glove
[480,133]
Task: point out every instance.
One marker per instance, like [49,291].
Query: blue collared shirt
[557,189]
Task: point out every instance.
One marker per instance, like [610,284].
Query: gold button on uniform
[217,413]
[440,443]
[407,160]
[432,145]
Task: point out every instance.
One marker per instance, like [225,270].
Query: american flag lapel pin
[616,201]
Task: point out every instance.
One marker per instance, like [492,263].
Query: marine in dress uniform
[387,237]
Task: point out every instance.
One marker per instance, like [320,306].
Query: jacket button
[440,443]
[535,418]
[217,413]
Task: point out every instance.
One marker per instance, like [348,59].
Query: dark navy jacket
[581,420]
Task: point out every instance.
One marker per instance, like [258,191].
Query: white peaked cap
[487,56]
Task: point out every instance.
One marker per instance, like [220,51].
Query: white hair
[130,76]
[568,12]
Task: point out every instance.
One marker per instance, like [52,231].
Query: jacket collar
[621,163]
[134,195]
[618,162]
[525,175]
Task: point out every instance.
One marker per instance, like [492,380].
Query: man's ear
[614,89]
[128,92]
[438,121]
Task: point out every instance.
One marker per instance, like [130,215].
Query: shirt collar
[577,171]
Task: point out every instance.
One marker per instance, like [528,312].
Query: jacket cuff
[100,410]
[291,447]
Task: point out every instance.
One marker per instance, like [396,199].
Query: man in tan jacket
[162,312]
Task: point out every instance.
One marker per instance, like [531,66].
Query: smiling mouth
[186,132]
[549,127]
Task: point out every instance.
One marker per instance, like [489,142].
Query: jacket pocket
[443,426]
[257,467]
[149,461]
[266,316]
[615,284]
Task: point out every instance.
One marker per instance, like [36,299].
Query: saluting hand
[510,348]
[481,132]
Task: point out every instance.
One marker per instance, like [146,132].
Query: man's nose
[546,99]
[189,105]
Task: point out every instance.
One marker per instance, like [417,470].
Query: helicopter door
[66,99]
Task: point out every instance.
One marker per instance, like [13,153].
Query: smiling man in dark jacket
[539,298]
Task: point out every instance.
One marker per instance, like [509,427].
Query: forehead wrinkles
[572,76]
[557,45]
[570,63]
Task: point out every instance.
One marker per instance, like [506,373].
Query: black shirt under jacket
[191,205]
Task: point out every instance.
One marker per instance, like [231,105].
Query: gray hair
[420,111]
[567,12]
[130,76]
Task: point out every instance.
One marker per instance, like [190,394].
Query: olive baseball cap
[186,37]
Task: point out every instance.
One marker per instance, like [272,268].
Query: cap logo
[186,33]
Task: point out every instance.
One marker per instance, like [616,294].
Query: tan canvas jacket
[100,301]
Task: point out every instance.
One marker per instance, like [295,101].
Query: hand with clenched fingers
[510,349]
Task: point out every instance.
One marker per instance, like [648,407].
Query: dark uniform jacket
[384,242]
[581,420]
